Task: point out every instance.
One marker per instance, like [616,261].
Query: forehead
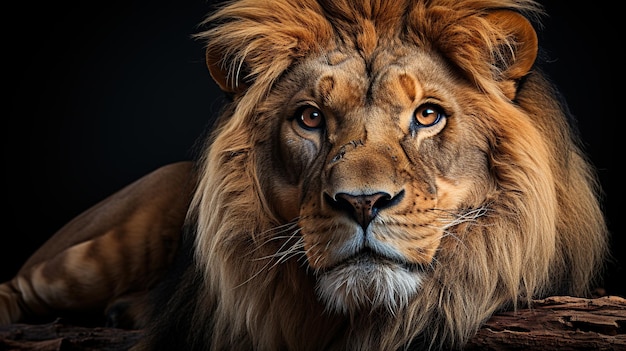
[391,74]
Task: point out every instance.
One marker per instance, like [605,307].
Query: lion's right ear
[231,83]
[517,57]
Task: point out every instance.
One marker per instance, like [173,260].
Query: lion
[386,175]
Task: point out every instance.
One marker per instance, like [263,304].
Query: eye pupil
[311,118]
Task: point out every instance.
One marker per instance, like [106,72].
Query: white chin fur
[365,285]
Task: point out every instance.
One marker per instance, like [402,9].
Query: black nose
[363,208]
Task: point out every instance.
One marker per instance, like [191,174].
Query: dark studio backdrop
[99,94]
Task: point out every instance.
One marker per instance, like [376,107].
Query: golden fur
[374,232]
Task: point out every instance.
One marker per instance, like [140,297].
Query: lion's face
[377,159]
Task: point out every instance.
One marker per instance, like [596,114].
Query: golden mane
[538,228]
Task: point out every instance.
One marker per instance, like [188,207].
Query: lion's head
[387,172]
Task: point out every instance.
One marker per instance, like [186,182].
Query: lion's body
[107,257]
[388,175]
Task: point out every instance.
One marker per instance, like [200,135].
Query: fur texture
[387,176]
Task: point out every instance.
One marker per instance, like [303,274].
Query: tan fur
[112,253]
[370,232]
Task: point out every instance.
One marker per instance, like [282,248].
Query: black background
[98,94]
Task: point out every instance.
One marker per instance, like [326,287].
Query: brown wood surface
[555,323]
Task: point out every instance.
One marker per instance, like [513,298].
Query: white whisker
[291,246]
[456,218]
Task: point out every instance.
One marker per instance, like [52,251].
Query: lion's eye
[428,115]
[310,117]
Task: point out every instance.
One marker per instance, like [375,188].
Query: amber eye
[310,117]
[428,115]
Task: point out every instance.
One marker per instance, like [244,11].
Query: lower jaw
[364,285]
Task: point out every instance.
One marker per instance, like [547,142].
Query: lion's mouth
[368,259]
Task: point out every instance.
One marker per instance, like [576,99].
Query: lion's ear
[220,74]
[515,59]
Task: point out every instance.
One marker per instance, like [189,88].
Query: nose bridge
[363,164]
[361,133]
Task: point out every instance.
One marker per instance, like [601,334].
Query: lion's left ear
[514,59]
[228,83]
